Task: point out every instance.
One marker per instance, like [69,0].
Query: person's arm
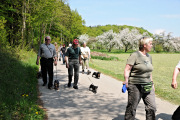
[38,56]
[37,61]
[175,74]
[126,73]
[89,54]
[67,62]
[80,56]
[55,56]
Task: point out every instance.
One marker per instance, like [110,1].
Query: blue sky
[152,15]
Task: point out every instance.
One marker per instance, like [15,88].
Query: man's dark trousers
[47,67]
[73,64]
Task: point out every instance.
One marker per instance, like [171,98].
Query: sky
[153,15]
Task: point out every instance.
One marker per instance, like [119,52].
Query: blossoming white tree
[83,38]
[109,39]
[130,38]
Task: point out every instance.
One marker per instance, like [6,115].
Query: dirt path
[108,104]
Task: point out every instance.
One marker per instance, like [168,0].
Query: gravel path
[108,104]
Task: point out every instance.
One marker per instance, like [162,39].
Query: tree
[83,38]
[130,38]
[109,39]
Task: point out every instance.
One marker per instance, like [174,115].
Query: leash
[90,80]
[56,72]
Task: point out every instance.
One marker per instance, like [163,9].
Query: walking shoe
[69,85]
[44,84]
[75,87]
[82,71]
[50,88]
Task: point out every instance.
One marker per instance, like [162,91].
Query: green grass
[18,91]
[163,65]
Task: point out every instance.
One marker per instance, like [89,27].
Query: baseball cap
[75,41]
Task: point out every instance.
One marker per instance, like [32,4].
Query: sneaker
[82,71]
[69,85]
[44,84]
[50,88]
[75,87]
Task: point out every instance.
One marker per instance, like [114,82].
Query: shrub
[158,48]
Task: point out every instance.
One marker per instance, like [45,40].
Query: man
[85,55]
[73,59]
[63,51]
[47,52]
[176,114]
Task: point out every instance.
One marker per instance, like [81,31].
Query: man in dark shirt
[73,59]
[63,51]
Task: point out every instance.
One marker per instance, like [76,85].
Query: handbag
[85,56]
[146,88]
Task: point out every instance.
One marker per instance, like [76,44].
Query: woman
[138,80]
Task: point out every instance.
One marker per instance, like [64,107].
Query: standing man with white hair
[85,56]
[47,53]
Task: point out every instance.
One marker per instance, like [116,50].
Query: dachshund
[96,74]
[93,88]
[56,84]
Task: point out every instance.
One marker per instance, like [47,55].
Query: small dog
[93,88]
[56,84]
[39,75]
[96,74]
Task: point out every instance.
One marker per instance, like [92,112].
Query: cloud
[171,16]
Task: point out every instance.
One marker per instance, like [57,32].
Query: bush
[105,58]
[158,48]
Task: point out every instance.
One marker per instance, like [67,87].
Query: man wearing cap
[73,59]
[85,55]
[47,52]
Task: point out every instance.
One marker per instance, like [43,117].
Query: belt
[46,58]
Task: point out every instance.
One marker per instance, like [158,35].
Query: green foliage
[94,31]
[29,21]
[158,48]
[105,58]
[3,35]
[18,98]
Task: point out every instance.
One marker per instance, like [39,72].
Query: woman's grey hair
[144,40]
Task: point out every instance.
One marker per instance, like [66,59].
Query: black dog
[96,74]
[88,72]
[93,88]
[56,84]
[39,75]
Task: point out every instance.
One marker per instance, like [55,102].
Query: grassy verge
[18,91]
[163,65]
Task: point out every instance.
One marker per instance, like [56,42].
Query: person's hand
[126,84]
[55,62]
[67,65]
[37,62]
[174,84]
[80,62]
